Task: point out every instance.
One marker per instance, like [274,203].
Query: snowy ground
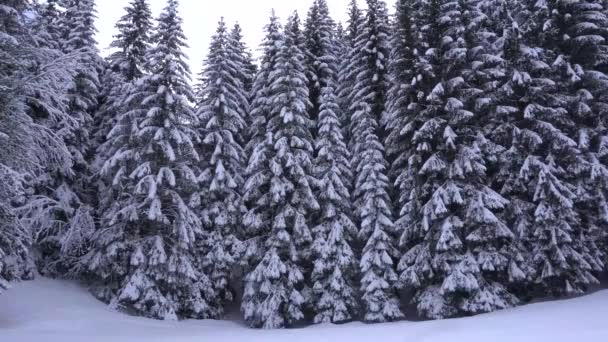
[56,311]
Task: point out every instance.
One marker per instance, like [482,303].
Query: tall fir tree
[321,59]
[243,70]
[340,41]
[222,110]
[33,100]
[563,250]
[547,158]
[373,210]
[144,254]
[530,123]
[14,131]
[123,67]
[77,29]
[132,41]
[576,32]
[347,74]
[257,185]
[335,262]
[401,99]
[47,23]
[273,288]
[502,131]
[244,57]
[246,71]
[60,213]
[455,241]
[334,271]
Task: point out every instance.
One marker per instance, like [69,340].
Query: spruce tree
[577,36]
[123,67]
[368,64]
[132,41]
[113,86]
[244,70]
[333,293]
[565,263]
[334,272]
[222,110]
[531,124]
[494,243]
[32,101]
[47,24]
[14,131]
[455,241]
[596,76]
[273,296]
[243,57]
[60,213]
[401,99]
[256,189]
[340,41]
[347,74]
[77,28]
[321,59]
[144,254]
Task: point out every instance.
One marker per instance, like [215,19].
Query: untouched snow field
[57,311]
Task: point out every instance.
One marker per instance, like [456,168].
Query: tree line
[451,156]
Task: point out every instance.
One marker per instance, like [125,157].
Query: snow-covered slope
[56,311]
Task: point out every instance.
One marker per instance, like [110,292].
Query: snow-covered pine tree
[257,194]
[346,73]
[401,103]
[340,40]
[368,66]
[491,240]
[571,41]
[77,28]
[454,237]
[335,262]
[132,41]
[500,30]
[334,269]
[257,185]
[123,67]
[295,28]
[59,214]
[248,69]
[596,76]
[221,112]
[144,254]
[15,141]
[113,86]
[244,70]
[321,59]
[577,34]
[534,127]
[273,295]
[31,99]
[47,24]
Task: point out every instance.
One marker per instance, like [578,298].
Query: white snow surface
[58,311]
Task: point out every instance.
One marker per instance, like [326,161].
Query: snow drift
[58,311]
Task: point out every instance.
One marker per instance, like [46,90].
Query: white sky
[201,18]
